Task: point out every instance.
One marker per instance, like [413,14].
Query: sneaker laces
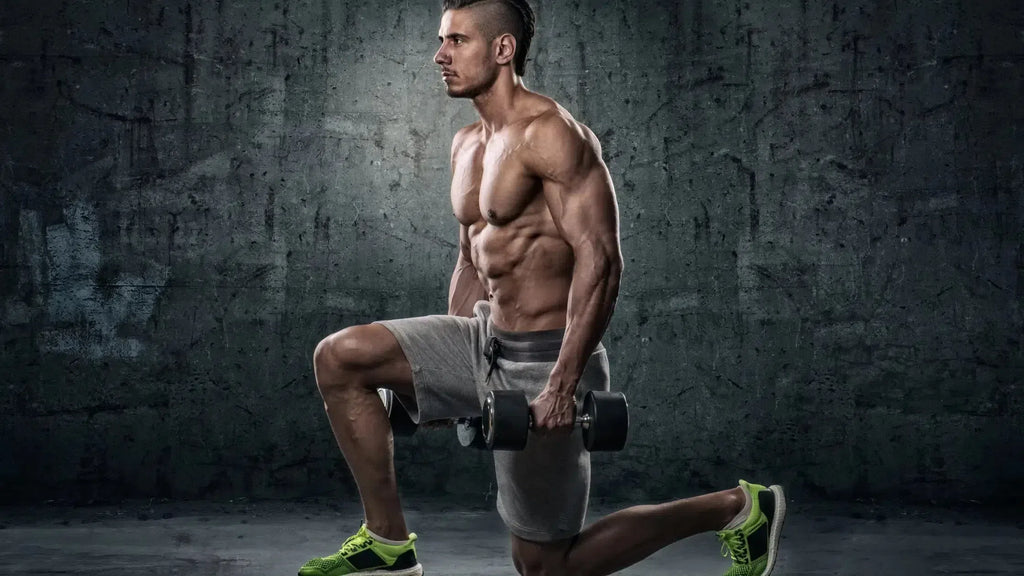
[351,544]
[735,545]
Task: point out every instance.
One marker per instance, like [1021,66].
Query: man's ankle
[736,503]
[388,533]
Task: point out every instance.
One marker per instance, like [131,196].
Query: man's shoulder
[467,132]
[554,125]
[554,137]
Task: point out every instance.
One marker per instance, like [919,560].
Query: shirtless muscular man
[533,290]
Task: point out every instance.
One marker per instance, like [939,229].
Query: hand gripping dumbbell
[506,421]
[468,429]
[603,417]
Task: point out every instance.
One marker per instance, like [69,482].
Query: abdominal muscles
[527,269]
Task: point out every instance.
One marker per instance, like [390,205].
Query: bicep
[566,157]
[583,205]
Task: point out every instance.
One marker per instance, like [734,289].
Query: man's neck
[497,106]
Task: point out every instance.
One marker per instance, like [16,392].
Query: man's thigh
[375,352]
[444,355]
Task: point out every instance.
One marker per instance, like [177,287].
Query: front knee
[338,359]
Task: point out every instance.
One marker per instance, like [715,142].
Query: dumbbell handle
[581,421]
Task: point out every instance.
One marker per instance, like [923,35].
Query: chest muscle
[490,183]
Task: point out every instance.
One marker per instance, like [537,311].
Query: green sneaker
[755,545]
[363,555]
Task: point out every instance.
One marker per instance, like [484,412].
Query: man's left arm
[579,193]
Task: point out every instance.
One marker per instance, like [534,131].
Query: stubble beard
[467,92]
[471,91]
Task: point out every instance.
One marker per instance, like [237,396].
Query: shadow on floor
[275,538]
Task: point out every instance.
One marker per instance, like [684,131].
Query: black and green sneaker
[363,555]
[754,546]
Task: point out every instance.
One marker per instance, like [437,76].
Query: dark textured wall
[822,218]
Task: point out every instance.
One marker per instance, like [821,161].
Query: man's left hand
[553,412]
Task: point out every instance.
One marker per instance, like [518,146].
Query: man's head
[478,38]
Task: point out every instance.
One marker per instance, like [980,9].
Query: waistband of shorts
[535,346]
[539,339]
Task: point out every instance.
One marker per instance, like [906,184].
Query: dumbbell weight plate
[401,422]
[609,421]
[506,420]
[470,435]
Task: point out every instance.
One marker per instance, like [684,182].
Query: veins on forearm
[591,303]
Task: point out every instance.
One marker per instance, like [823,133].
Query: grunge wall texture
[822,218]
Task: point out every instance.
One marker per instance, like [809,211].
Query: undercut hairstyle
[514,17]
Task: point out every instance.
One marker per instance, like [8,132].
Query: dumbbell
[603,417]
[468,429]
[401,422]
[506,421]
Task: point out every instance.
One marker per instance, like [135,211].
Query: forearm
[465,290]
[592,296]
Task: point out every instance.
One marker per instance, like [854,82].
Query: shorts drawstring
[491,352]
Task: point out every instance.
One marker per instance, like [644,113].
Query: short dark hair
[517,18]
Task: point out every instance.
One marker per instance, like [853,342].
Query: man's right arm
[465,289]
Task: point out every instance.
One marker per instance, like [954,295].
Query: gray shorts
[542,490]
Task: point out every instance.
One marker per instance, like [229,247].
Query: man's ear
[505,48]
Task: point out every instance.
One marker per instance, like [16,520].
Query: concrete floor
[272,539]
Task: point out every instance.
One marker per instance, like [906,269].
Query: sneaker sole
[776,529]
[416,570]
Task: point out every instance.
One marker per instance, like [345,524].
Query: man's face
[467,63]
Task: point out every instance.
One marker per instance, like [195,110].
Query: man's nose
[441,56]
